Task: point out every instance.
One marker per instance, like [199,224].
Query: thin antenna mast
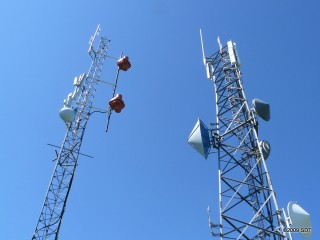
[203,55]
[219,43]
[205,62]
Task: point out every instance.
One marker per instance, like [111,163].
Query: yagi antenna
[93,38]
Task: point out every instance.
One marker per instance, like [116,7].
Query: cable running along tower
[75,113]
[248,207]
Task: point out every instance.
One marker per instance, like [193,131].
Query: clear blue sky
[145,182]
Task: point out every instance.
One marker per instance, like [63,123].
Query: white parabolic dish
[67,114]
[300,219]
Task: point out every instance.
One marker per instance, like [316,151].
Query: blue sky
[145,181]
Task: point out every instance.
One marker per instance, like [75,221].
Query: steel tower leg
[247,201]
[52,211]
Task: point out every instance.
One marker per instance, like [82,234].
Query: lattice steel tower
[76,112]
[247,203]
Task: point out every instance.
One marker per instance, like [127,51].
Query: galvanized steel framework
[247,201]
[51,215]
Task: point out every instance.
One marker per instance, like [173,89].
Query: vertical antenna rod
[203,55]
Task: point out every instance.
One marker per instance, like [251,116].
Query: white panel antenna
[236,53]
[233,59]
[78,80]
[233,53]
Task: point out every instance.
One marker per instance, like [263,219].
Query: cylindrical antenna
[203,55]
[206,64]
